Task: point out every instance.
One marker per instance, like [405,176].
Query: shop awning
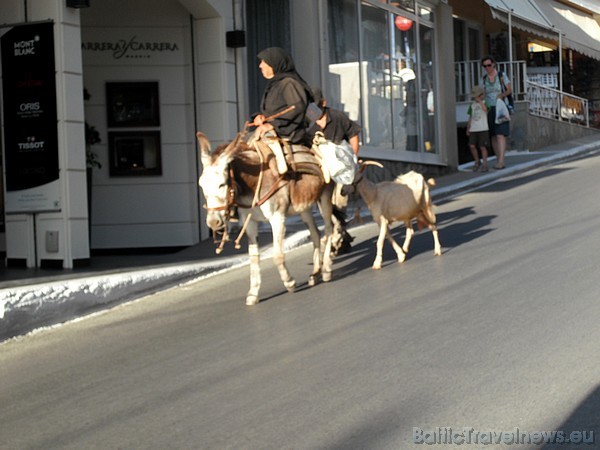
[547,18]
[525,15]
[579,30]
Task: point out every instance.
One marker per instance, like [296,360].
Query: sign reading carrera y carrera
[30,119]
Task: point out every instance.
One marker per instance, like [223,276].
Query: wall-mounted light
[235,39]
[78,3]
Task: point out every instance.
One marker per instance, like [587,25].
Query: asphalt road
[499,333]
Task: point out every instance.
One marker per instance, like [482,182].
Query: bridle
[232,188]
[230,200]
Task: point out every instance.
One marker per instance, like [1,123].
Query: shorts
[479,139]
[497,129]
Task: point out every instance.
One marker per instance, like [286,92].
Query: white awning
[580,31]
[525,15]
[548,18]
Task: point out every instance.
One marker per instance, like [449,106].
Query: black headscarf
[283,66]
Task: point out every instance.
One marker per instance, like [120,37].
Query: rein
[256,202]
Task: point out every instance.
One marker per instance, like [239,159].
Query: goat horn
[364,164]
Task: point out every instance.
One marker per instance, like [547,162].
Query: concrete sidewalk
[32,298]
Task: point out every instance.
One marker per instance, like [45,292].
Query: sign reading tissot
[30,119]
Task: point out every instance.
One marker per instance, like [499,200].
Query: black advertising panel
[30,118]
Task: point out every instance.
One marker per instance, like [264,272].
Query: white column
[27,239]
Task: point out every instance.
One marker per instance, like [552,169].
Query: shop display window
[134,143]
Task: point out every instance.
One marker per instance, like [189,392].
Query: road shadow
[584,420]
[454,229]
[503,185]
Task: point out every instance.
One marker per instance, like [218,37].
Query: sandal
[484,169]
[475,167]
[499,166]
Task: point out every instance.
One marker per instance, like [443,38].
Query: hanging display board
[30,118]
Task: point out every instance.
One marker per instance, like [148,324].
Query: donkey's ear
[233,147]
[204,145]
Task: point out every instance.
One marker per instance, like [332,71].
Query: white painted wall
[144,211]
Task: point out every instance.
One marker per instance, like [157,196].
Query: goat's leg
[277,222]
[409,235]
[254,254]
[309,220]
[399,250]
[437,250]
[383,232]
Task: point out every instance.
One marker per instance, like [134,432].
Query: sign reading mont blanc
[30,118]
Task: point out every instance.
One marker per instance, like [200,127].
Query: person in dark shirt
[285,88]
[336,127]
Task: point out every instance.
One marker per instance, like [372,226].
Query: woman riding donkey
[286,91]
[286,97]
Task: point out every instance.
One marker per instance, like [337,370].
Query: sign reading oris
[30,118]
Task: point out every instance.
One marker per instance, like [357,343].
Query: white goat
[404,199]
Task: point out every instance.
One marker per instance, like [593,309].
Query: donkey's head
[215,181]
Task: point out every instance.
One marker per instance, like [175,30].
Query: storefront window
[427,83]
[343,83]
[381,71]
[406,123]
[377,118]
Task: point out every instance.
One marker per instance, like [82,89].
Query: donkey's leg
[253,252]
[326,208]
[277,222]
[309,220]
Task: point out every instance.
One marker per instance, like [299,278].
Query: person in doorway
[478,129]
[497,87]
[285,88]
[336,127]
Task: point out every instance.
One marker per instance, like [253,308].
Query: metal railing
[470,73]
[554,104]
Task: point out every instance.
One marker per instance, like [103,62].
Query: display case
[133,153]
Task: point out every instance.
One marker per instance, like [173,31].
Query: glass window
[343,80]
[426,13]
[408,5]
[427,83]
[377,126]
[381,72]
[406,124]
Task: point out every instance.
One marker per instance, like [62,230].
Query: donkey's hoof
[290,285]
[326,277]
[252,300]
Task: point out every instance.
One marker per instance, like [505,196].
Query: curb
[26,308]
[449,191]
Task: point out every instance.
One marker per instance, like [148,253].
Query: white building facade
[156,71]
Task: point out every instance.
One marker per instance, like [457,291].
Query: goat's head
[348,189]
[215,181]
